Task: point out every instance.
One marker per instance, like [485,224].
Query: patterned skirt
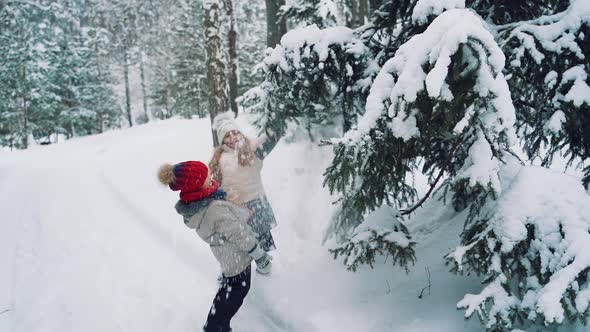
[262,222]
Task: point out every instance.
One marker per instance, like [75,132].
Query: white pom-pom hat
[224,123]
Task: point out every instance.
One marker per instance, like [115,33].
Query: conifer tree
[189,62]
[252,42]
[447,93]
[27,45]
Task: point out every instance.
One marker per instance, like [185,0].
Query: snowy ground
[89,241]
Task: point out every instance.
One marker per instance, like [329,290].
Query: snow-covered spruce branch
[426,9]
[550,81]
[370,242]
[442,87]
[554,34]
[532,249]
[315,76]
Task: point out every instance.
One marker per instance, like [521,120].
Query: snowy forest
[473,111]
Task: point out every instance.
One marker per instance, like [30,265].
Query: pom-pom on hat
[224,123]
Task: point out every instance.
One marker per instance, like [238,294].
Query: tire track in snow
[182,249]
[98,262]
[9,243]
[24,195]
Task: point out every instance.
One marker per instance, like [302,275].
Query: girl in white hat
[236,164]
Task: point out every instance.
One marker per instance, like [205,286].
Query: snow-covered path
[89,241]
[83,258]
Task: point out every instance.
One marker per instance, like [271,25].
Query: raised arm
[269,141]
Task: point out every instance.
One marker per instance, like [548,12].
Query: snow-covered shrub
[532,247]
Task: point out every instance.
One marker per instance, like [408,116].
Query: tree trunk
[215,67]
[363,12]
[352,16]
[373,6]
[167,99]
[233,57]
[99,110]
[25,111]
[275,29]
[100,122]
[127,92]
[347,109]
[143,89]
[198,100]
[25,123]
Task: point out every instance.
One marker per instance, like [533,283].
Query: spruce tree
[532,258]
[27,45]
[188,64]
[252,42]
[447,88]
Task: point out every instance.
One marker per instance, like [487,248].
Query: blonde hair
[246,155]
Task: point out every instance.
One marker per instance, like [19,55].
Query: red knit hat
[187,177]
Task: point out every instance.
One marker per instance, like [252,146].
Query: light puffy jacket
[223,225]
[242,183]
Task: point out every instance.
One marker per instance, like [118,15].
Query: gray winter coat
[224,227]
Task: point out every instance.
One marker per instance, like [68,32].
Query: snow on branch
[539,238]
[494,292]
[312,75]
[442,100]
[554,33]
[549,37]
[378,234]
[425,9]
[403,77]
[579,92]
[310,39]
[550,81]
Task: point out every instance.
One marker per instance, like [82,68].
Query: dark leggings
[228,300]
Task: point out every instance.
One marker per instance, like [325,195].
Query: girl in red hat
[223,225]
[237,164]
